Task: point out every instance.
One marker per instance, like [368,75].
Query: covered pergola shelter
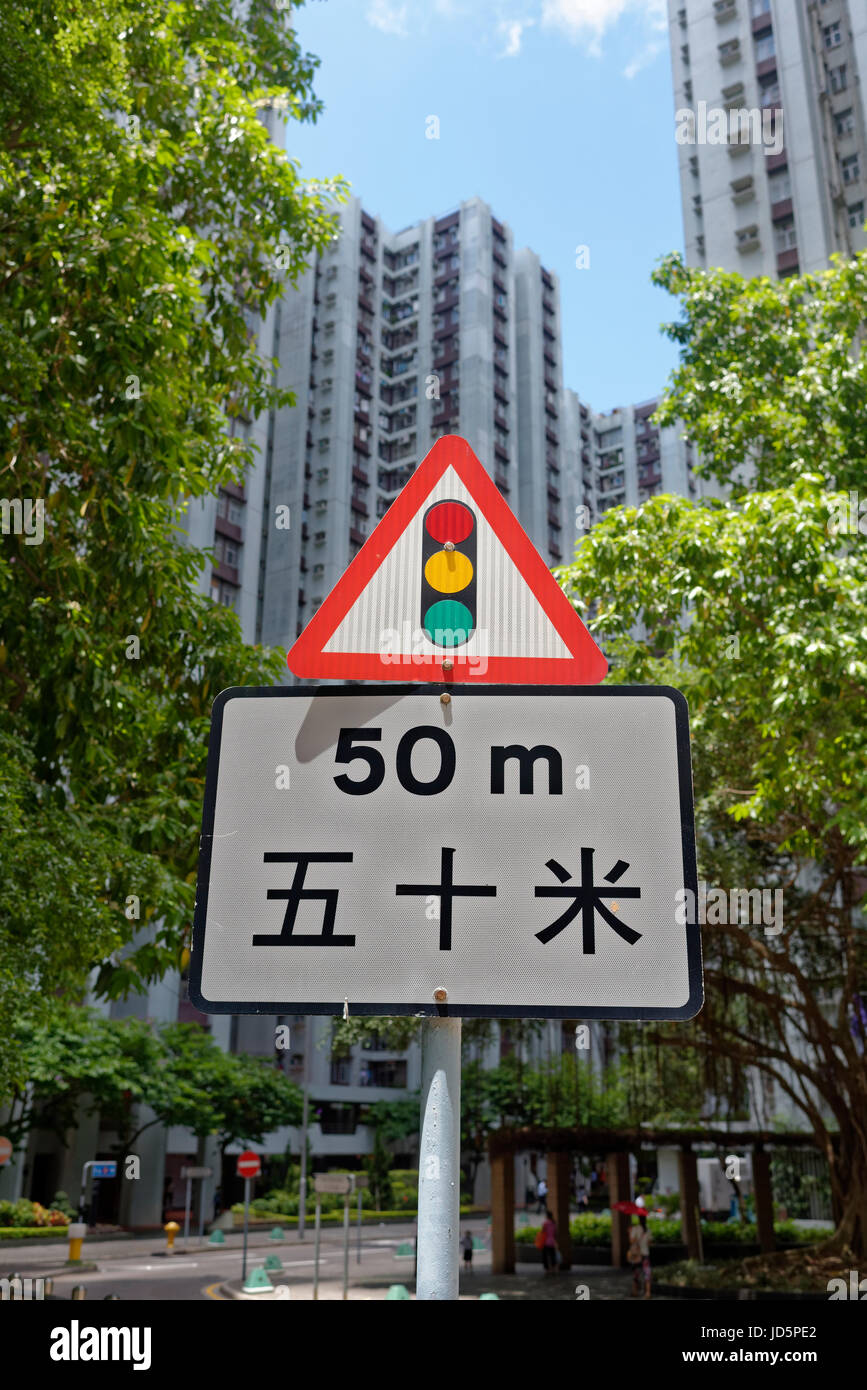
[558,1145]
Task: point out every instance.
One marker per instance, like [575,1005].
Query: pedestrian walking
[549,1248]
[467,1247]
[638,1256]
[541,1195]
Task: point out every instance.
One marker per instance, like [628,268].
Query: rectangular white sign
[197,1172]
[333,1182]
[524,850]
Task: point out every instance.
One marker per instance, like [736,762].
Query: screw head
[449,545]
[445,698]
[447,664]
[440,996]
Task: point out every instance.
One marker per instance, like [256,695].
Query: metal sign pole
[187,1212]
[439,1177]
[246,1221]
[83,1198]
[358,1252]
[202,1209]
[345,1245]
[316,1250]
[302,1182]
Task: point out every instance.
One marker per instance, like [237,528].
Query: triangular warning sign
[448,588]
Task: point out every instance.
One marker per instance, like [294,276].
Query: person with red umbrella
[640,1238]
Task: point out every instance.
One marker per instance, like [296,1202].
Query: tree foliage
[121,1069]
[756,607]
[147,221]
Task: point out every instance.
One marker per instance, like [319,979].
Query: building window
[230,509]
[759,7]
[785,238]
[780,185]
[856,215]
[337,1117]
[387,1074]
[851,168]
[831,35]
[223,593]
[341,1072]
[844,122]
[227,552]
[765,48]
[838,78]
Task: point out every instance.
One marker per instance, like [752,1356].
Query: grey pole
[202,1209]
[439,1178]
[187,1212]
[82,1200]
[302,1183]
[246,1221]
[358,1253]
[345,1245]
[316,1249]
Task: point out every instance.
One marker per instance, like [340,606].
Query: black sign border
[433,1010]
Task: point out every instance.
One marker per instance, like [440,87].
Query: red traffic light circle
[449,521]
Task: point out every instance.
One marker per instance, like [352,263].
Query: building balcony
[501,453]
[228,528]
[359,476]
[551,437]
[554,520]
[788,260]
[553,494]
[227,572]
[784,208]
[359,504]
[357,536]
[501,480]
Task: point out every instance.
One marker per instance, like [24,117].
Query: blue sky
[559,113]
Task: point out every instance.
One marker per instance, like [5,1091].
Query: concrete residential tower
[774,156]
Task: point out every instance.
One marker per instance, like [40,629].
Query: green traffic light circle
[448,623]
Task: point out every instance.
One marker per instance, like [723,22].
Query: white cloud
[391,19]
[512,30]
[588,20]
[643,59]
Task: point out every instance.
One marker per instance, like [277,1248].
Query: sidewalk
[526,1285]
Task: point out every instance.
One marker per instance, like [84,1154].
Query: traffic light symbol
[448,581]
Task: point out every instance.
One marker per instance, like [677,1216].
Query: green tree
[147,221]
[756,608]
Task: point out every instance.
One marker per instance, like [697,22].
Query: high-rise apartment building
[390,341]
[773,164]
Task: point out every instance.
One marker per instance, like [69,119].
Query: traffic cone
[257,1281]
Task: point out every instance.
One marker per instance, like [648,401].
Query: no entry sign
[516,851]
[249,1165]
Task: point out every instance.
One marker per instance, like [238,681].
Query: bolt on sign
[518,851]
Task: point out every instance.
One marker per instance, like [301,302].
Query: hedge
[31,1232]
[596,1230]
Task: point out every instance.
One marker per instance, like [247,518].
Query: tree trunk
[849,1179]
